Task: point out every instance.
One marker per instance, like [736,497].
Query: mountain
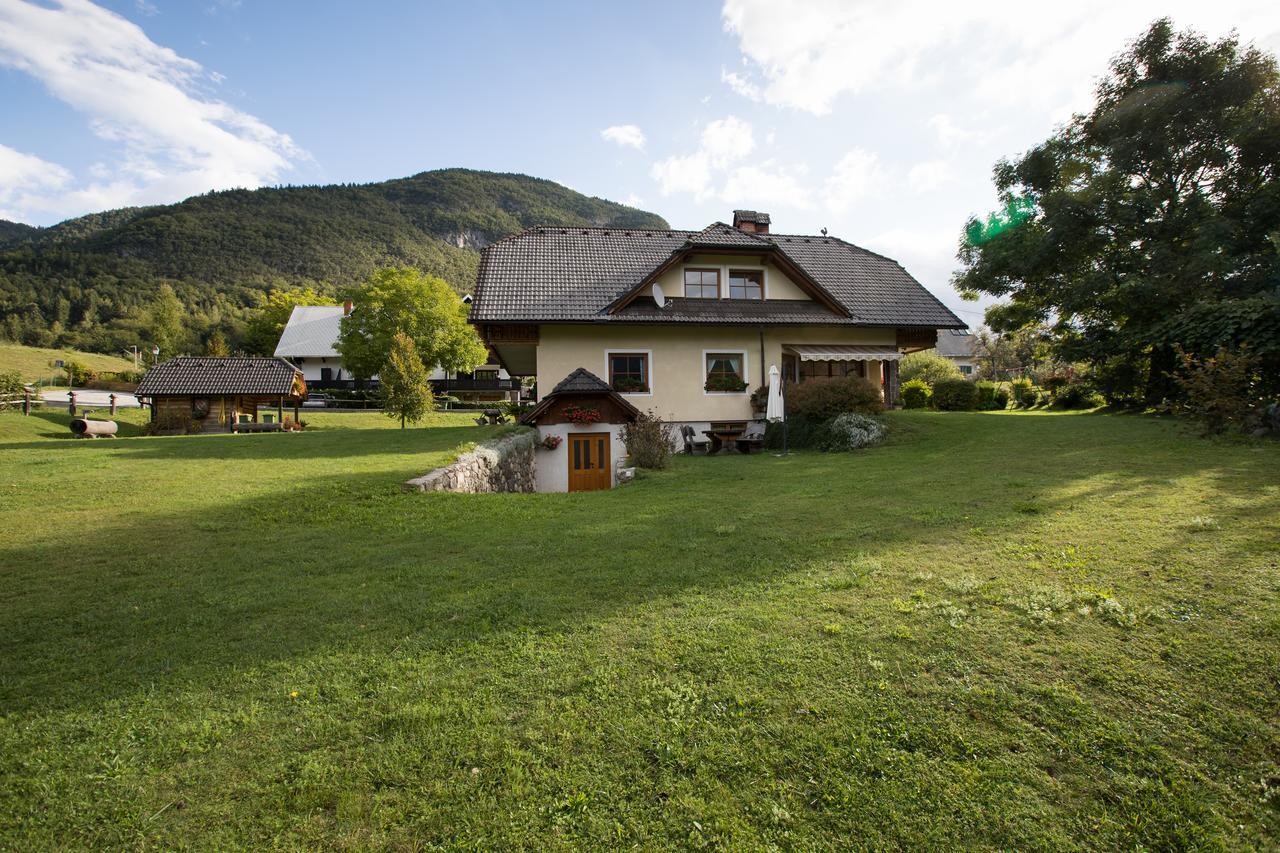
[85,282]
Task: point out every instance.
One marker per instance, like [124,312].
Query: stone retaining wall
[505,465]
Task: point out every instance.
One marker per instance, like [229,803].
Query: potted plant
[725,383]
[629,385]
[760,400]
[551,442]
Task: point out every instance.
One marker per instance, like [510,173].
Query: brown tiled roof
[580,381]
[551,274]
[197,376]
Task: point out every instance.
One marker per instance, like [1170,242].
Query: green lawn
[34,363]
[998,630]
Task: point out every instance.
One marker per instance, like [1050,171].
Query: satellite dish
[658,296]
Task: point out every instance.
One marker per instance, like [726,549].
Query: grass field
[998,630]
[34,363]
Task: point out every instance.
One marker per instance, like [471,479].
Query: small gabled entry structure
[586,416]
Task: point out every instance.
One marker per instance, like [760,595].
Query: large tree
[423,307]
[406,393]
[1150,223]
[164,322]
[262,333]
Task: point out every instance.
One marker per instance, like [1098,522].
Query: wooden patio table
[720,437]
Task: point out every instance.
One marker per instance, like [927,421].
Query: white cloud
[857,176]
[929,175]
[767,183]
[633,200]
[23,176]
[174,140]
[727,140]
[740,84]
[723,142]
[626,135]
[807,53]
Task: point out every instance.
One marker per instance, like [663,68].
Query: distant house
[959,347]
[310,340]
[223,394]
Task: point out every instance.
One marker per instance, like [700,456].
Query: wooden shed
[223,394]
[585,416]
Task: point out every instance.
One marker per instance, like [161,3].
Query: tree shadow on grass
[347,562]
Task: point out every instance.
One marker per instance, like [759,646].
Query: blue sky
[877,121]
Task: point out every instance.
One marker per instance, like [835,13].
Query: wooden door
[589,461]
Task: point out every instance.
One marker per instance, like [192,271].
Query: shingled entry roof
[553,274]
[580,381]
[206,376]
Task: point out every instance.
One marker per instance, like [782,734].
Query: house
[687,323]
[310,340]
[223,394]
[959,347]
[587,416]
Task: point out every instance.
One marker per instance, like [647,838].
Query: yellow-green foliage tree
[406,393]
[421,306]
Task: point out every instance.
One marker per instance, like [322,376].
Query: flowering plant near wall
[551,442]
[582,414]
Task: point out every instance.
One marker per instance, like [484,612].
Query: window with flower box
[629,372]
[726,372]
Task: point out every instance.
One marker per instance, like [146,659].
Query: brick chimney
[346,308]
[751,221]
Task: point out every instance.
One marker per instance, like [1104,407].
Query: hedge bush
[823,399]
[1024,393]
[955,395]
[1001,399]
[929,366]
[1078,396]
[915,394]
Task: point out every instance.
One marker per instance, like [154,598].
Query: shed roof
[202,375]
[312,332]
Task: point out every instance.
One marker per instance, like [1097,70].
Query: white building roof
[312,332]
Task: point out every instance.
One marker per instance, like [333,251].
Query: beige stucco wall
[776,284]
[677,360]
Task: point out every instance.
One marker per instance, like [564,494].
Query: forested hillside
[88,282]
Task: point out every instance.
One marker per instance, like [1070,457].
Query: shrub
[1222,391]
[650,441]
[955,395]
[986,395]
[915,394]
[801,431]
[851,431]
[823,399]
[1024,393]
[1001,399]
[1077,395]
[78,373]
[929,366]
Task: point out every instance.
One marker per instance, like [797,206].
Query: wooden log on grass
[85,428]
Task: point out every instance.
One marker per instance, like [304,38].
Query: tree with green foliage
[421,306]
[164,322]
[406,393]
[262,332]
[928,366]
[216,345]
[1148,224]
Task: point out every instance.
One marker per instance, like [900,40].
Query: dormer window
[746,284]
[702,284]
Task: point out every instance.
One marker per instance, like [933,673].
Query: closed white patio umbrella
[773,411]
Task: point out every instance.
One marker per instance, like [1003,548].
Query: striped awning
[841,352]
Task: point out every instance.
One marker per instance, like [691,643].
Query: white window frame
[648,353]
[746,372]
[764,280]
[722,292]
